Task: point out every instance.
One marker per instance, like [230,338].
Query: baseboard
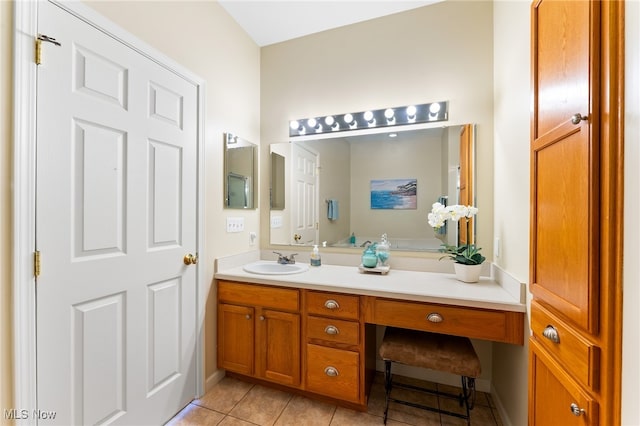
[213,379]
[504,418]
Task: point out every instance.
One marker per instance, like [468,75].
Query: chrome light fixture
[386,117]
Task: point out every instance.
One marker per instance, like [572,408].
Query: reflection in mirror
[277,182]
[368,185]
[240,169]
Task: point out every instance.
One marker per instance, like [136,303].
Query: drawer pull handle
[331,371]
[577,411]
[331,329]
[331,304]
[247,316]
[551,333]
[434,317]
[261,317]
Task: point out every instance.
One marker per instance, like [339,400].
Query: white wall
[6,170]
[512,94]
[631,313]
[411,57]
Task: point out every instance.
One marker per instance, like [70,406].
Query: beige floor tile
[224,395]
[232,421]
[193,415]
[480,415]
[305,411]
[413,415]
[261,405]
[346,417]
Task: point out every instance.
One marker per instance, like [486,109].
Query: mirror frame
[249,172]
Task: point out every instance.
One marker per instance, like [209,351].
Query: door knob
[190,259]
[577,118]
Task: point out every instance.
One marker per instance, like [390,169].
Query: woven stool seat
[442,352]
[435,351]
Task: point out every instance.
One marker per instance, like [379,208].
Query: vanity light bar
[397,116]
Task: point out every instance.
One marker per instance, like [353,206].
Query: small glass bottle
[369,257]
[382,250]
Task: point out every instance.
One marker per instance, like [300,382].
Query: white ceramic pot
[467,273]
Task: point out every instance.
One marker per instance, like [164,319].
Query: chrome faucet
[286,260]
[365,243]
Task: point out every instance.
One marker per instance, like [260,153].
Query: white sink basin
[266,267]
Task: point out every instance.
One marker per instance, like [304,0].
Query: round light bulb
[348,118]
[329,120]
[368,116]
[411,111]
[434,108]
[388,113]
[294,125]
[312,122]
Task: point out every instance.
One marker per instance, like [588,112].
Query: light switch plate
[235,224]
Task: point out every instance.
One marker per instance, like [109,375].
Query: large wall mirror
[240,171]
[367,185]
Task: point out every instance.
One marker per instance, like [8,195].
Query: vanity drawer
[333,330]
[333,372]
[333,304]
[576,353]
[476,323]
[259,295]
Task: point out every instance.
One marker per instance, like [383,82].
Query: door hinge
[38,50]
[36,263]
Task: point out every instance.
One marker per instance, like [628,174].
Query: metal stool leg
[387,388]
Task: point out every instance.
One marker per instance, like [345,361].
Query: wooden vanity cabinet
[334,359]
[259,331]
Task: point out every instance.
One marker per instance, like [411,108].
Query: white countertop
[435,287]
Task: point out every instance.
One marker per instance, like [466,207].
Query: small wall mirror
[240,171]
[348,174]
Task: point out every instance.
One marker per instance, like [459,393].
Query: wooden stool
[434,351]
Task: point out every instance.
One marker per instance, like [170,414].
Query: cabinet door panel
[235,338]
[554,396]
[565,160]
[278,349]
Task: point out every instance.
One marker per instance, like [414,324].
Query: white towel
[332,209]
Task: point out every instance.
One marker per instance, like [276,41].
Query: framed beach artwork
[394,193]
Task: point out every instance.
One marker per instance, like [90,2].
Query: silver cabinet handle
[577,118]
[434,317]
[577,411]
[331,329]
[551,333]
[331,304]
[331,371]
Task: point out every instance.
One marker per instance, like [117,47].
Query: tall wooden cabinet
[576,220]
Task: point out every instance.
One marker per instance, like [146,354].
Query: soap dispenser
[382,250]
[315,256]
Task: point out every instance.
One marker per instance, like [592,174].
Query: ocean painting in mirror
[394,193]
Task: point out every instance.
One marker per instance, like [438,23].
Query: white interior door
[304,210]
[116,214]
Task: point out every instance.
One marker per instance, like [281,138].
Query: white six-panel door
[116,214]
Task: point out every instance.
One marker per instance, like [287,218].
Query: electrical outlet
[235,224]
[252,238]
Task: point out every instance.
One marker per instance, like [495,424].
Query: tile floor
[235,403]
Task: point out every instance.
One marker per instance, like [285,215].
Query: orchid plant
[467,254]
